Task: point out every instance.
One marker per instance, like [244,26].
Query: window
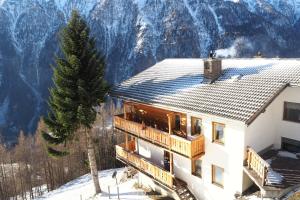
[291,112]
[197,167]
[196,126]
[218,176]
[177,123]
[218,132]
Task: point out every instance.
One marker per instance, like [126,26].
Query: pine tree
[79,88]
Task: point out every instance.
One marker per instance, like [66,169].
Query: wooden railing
[145,166]
[258,164]
[187,147]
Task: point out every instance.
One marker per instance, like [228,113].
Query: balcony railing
[257,164]
[156,172]
[188,147]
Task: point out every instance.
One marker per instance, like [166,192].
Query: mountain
[133,35]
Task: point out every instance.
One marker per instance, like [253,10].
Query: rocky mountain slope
[133,34]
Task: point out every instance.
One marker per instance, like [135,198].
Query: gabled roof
[244,89]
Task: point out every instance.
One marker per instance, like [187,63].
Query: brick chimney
[212,68]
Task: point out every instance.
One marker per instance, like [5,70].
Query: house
[210,128]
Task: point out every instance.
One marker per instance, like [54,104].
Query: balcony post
[126,141]
[170,123]
[171,163]
[125,113]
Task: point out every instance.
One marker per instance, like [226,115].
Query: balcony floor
[285,171]
[286,168]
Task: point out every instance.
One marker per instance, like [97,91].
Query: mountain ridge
[133,35]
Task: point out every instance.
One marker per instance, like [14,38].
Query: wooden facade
[187,147]
[163,128]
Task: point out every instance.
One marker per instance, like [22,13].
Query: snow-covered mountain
[133,34]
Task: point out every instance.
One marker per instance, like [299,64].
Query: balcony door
[167,160]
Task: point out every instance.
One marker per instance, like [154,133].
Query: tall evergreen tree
[79,88]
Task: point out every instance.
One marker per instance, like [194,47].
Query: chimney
[212,68]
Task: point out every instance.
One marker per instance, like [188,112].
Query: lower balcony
[126,154]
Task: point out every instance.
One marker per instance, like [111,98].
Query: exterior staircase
[182,191]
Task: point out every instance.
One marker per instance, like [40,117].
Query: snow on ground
[287,154]
[82,188]
[269,161]
[254,197]
[274,177]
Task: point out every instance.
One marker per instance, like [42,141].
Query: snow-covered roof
[244,89]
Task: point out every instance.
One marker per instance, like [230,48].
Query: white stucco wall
[285,128]
[228,156]
[266,130]
[150,152]
[269,127]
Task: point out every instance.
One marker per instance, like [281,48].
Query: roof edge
[263,107]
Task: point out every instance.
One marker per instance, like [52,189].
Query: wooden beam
[125,110]
[126,141]
[170,123]
[171,163]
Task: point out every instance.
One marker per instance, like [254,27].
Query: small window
[197,167]
[291,112]
[218,176]
[196,126]
[218,132]
[177,123]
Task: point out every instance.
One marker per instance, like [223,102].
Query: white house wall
[151,152]
[286,128]
[228,156]
[269,127]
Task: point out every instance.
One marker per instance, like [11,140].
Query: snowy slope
[82,188]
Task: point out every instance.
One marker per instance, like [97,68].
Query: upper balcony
[161,127]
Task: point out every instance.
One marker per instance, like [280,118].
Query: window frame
[214,140]
[194,167]
[193,119]
[284,117]
[213,175]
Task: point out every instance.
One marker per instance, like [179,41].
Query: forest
[27,170]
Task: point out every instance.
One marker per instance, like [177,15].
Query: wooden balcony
[258,165]
[156,172]
[189,147]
